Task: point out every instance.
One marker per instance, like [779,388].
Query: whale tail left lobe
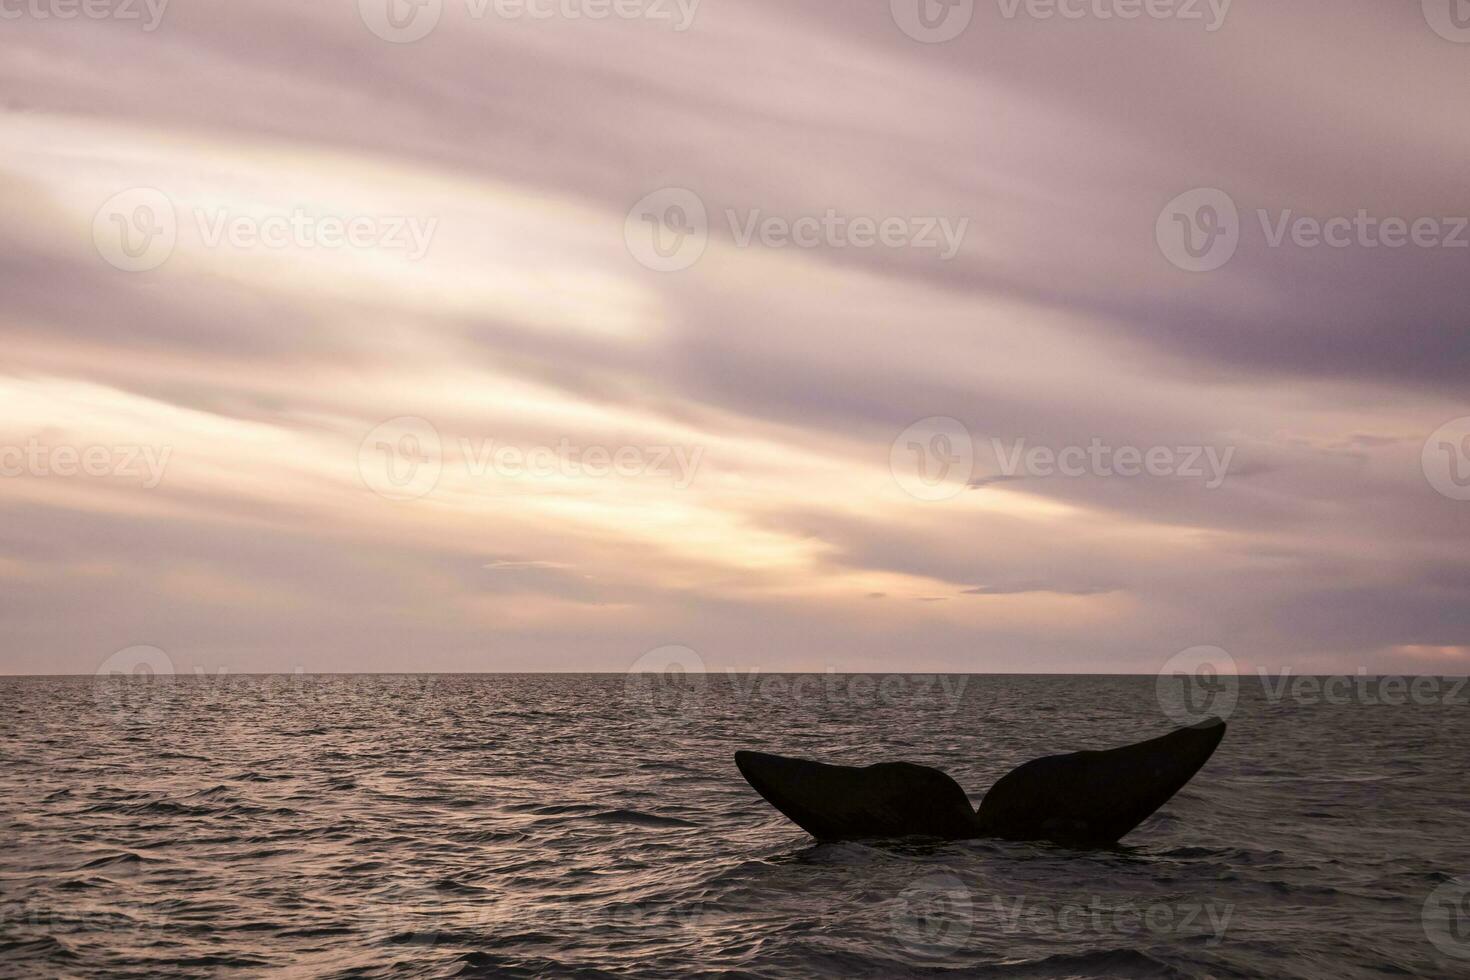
[891,799]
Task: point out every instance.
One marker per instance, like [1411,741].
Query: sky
[552,334]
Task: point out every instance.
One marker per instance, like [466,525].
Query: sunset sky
[339,418]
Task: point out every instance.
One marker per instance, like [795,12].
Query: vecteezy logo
[402,458]
[667,231]
[1450,19]
[400,21]
[126,684]
[1197,683]
[933,916]
[666,682]
[1446,918]
[932,21]
[135,230]
[1446,459]
[407,911]
[933,459]
[1199,230]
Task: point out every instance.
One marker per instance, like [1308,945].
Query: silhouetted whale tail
[1081,799]
[1094,798]
[891,799]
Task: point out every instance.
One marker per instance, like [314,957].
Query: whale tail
[1094,798]
[1083,799]
[891,799]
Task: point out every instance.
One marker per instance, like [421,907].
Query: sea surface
[595,826]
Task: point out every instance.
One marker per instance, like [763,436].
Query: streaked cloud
[613,458]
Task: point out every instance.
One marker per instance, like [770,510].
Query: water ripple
[493,826]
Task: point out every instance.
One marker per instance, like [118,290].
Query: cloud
[1023,588]
[527,324]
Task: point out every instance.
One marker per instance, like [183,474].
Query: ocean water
[595,826]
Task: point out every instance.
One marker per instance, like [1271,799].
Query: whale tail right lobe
[1091,799]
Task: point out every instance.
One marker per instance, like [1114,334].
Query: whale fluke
[1082,799]
[891,799]
[1095,798]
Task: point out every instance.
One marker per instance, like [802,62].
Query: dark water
[573,826]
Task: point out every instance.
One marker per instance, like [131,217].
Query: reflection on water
[493,825]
